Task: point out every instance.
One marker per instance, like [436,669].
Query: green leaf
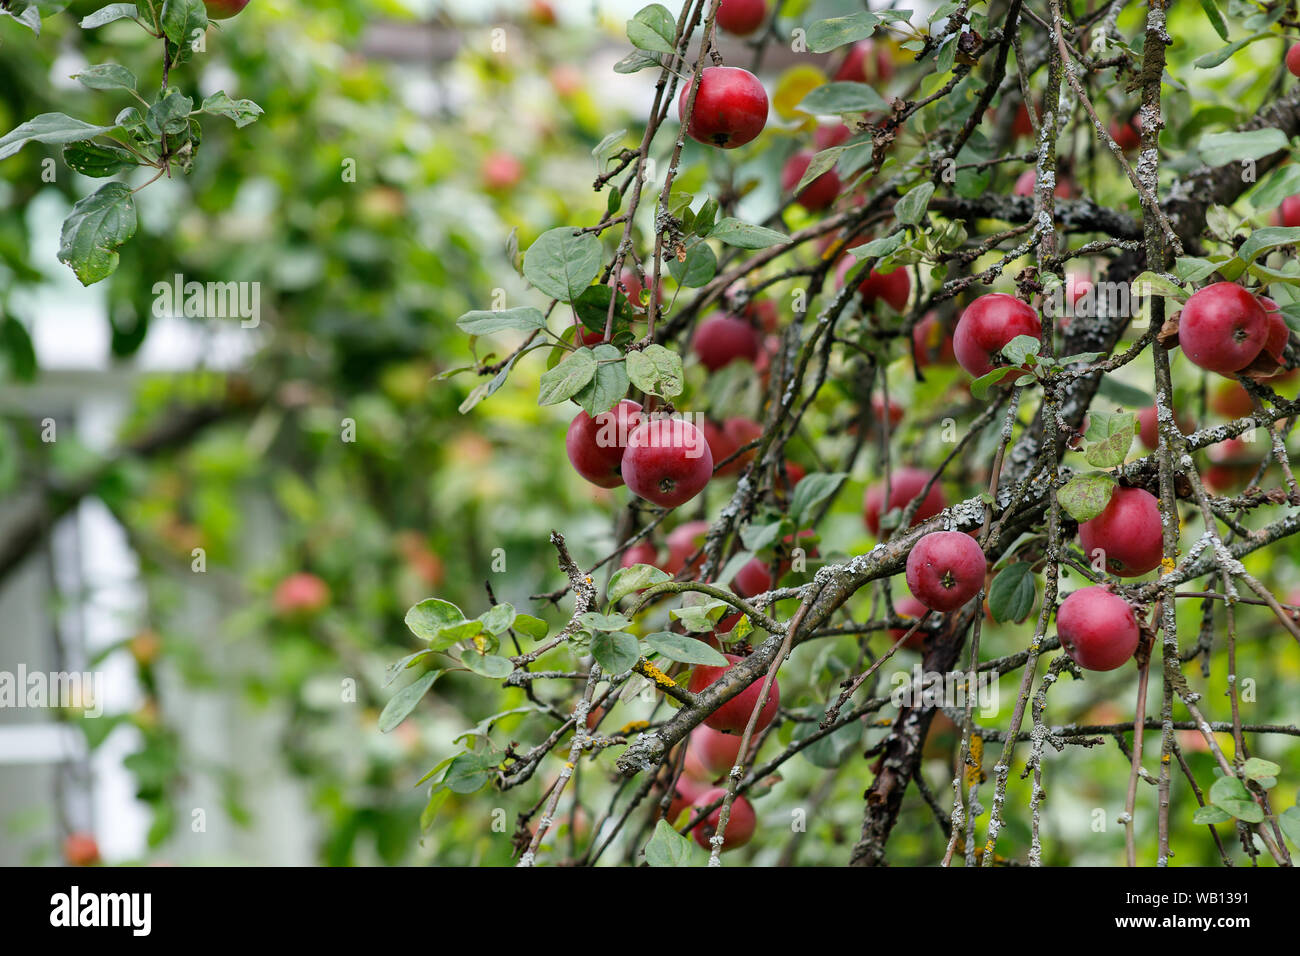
[562,264]
[469,772]
[394,670]
[1210,815]
[1011,596]
[181,18]
[756,537]
[1086,496]
[94,230]
[636,61]
[698,618]
[106,76]
[698,269]
[812,491]
[653,28]
[1019,349]
[1211,60]
[684,649]
[1289,821]
[487,665]
[498,619]
[170,115]
[1152,283]
[1192,270]
[91,159]
[839,98]
[48,128]
[114,11]
[637,577]
[1216,149]
[592,309]
[1276,186]
[1230,795]
[1110,435]
[243,112]
[818,166]
[832,750]
[608,385]
[879,248]
[1216,19]
[427,617]
[1256,768]
[981,387]
[524,318]
[1270,237]
[1118,391]
[593,621]
[530,626]
[568,378]
[667,847]
[744,235]
[656,370]
[405,700]
[914,203]
[827,35]
[615,651]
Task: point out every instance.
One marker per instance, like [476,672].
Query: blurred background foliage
[361,282]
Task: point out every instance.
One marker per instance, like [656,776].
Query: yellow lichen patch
[1166,566]
[653,673]
[633,727]
[972,774]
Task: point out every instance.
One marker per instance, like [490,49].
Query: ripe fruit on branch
[866,63]
[727,439]
[596,445]
[1222,328]
[501,171]
[1097,628]
[824,137]
[1147,424]
[741,821]
[723,339]
[741,17]
[685,794]
[301,593]
[1027,180]
[878,409]
[684,541]
[1233,465]
[1127,531]
[932,342]
[732,716]
[1230,400]
[945,569]
[904,485]
[667,461]
[1288,214]
[988,324]
[710,754]
[1127,135]
[730,109]
[1269,361]
[754,577]
[224,9]
[1293,59]
[818,194]
[643,552]
[80,849]
[909,606]
[892,287]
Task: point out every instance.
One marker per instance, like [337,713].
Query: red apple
[1222,328]
[1147,425]
[988,324]
[80,849]
[932,342]
[723,339]
[727,439]
[908,606]
[1127,135]
[824,137]
[1293,59]
[730,109]
[710,754]
[501,171]
[1288,214]
[741,821]
[667,461]
[893,287]
[945,569]
[300,593]
[224,9]
[643,552]
[741,17]
[1029,179]
[818,194]
[596,445]
[866,63]
[904,485]
[683,541]
[754,577]
[1097,628]
[1127,531]
[733,716]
